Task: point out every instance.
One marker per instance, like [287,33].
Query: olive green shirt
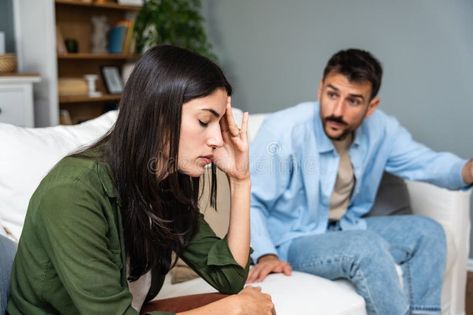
[71,257]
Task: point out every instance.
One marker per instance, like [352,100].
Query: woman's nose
[216,139]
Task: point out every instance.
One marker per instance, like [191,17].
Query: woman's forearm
[239,227]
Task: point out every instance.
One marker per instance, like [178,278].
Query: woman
[102,225]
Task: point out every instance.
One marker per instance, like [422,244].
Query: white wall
[274,51]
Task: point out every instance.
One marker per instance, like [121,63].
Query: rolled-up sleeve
[210,257]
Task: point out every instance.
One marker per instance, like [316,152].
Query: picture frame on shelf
[112,79]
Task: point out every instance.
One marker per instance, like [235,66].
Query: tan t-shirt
[344,183]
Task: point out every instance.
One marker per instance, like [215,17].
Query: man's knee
[366,253]
[429,229]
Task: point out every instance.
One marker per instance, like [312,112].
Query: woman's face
[200,132]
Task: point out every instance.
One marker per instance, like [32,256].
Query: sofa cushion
[27,155]
[290,295]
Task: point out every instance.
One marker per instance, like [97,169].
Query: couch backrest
[27,155]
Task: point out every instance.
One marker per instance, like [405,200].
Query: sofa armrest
[452,210]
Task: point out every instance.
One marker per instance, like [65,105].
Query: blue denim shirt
[294,167]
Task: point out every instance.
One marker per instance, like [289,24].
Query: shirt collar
[105,176]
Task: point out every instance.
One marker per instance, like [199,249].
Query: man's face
[344,105]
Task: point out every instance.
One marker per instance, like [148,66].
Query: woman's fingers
[244,127]
[232,126]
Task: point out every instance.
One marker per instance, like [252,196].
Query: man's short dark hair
[358,66]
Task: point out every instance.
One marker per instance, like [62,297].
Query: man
[315,171]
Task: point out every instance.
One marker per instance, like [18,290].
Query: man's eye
[354,101]
[203,124]
[331,94]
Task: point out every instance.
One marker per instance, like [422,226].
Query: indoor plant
[176,22]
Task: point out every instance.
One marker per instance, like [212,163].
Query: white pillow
[27,155]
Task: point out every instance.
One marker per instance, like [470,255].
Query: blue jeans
[367,258]
[7,253]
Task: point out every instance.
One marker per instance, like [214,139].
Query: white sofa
[26,155]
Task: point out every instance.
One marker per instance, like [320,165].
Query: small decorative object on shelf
[72,46]
[91,87]
[126,71]
[8,63]
[113,81]
[99,34]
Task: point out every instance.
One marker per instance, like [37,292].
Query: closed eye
[203,124]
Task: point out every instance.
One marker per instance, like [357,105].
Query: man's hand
[467,172]
[268,264]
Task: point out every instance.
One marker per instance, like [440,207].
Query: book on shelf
[65,117]
[128,44]
[120,38]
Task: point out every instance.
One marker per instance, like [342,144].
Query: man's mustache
[337,119]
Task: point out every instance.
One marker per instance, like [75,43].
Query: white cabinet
[16,100]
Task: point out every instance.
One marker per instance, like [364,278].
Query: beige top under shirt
[344,183]
[139,289]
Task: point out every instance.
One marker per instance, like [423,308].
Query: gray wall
[273,51]
[7,24]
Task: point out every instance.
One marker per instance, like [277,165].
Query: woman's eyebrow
[212,111]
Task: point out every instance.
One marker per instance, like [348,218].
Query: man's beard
[346,132]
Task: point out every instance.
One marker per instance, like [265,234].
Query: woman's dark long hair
[159,205]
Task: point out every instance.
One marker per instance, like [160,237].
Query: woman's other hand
[251,301]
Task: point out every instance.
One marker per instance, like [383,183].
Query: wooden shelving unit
[92,56]
[37,52]
[106,5]
[73,19]
[74,99]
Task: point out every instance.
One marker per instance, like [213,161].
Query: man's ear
[373,105]
[319,90]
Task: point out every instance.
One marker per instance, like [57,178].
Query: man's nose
[339,108]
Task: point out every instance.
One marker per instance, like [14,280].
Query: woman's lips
[206,159]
